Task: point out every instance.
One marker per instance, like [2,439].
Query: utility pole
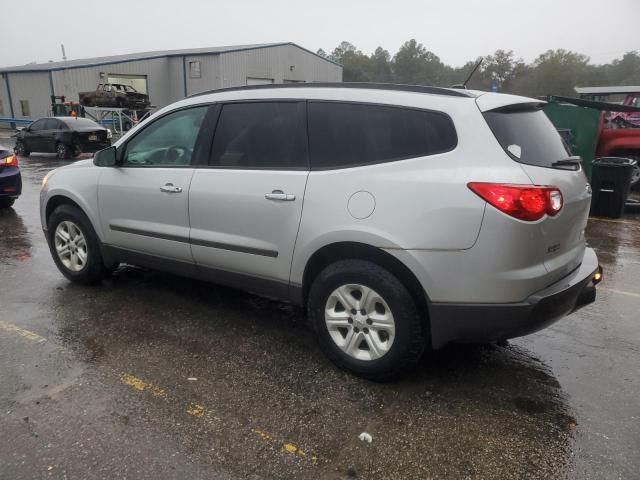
[64,55]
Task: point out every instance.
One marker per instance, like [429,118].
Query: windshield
[528,136]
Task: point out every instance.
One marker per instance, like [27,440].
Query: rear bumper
[457,322]
[10,183]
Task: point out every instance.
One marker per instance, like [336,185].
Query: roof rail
[372,86]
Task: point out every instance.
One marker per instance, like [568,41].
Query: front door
[143,202]
[33,138]
[245,206]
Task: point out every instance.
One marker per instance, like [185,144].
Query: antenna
[463,86]
[472,71]
[64,55]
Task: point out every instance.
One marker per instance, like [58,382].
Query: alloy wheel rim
[360,322]
[71,246]
[61,150]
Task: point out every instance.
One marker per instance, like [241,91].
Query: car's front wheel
[21,149]
[74,245]
[366,320]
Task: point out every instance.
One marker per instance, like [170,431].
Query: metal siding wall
[4,96]
[71,81]
[176,79]
[33,87]
[275,63]
[209,71]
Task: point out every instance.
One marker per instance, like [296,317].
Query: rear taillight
[10,161]
[524,202]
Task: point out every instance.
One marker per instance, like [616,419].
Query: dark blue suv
[10,179]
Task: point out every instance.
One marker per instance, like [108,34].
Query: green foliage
[553,72]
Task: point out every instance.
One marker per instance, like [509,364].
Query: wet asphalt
[155,376]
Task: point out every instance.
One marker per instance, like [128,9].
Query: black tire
[94,270]
[63,151]
[409,342]
[21,150]
[7,202]
[636,172]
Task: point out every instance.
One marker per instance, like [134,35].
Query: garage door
[259,81]
[139,82]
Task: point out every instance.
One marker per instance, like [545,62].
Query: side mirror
[105,157]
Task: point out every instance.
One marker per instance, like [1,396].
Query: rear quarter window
[527,135]
[348,134]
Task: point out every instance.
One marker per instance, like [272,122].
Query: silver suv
[399,217]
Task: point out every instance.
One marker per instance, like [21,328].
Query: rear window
[528,136]
[347,134]
[79,122]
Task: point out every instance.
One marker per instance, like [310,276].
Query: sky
[456,30]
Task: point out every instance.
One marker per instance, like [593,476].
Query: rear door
[529,138]
[245,205]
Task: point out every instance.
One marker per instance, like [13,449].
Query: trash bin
[610,181]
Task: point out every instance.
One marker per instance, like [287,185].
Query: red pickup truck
[619,132]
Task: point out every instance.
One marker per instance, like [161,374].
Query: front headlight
[109,133]
[46,179]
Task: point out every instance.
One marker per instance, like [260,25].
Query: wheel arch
[334,252]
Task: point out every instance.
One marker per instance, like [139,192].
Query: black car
[10,179]
[64,136]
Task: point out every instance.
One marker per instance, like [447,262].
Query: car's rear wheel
[366,320]
[6,202]
[63,152]
[21,150]
[74,245]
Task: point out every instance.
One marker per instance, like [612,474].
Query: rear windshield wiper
[573,161]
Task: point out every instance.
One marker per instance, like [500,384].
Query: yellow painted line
[199,411]
[29,335]
[195,410]
[287,447]
[140,385]
[621,292]
[613,220]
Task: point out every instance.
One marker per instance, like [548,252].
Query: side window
[38,125]
[50,124]
[346,134]
[169,141]
[260,135]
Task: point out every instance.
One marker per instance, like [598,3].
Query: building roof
[605,90]
[132,57]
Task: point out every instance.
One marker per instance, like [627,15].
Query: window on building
[194,70]
[24,106]
[260,135]
[346,135]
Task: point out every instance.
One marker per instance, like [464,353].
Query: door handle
[280,195]
[169,188]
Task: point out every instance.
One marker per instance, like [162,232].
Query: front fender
[80,185]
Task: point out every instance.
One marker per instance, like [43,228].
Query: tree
[414,64]
[555,72]
[380,66]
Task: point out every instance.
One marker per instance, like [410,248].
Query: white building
[166,76]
